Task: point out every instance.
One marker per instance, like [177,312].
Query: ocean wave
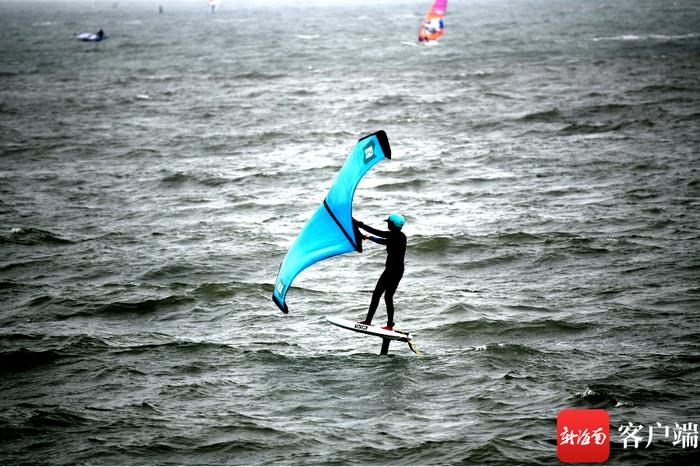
[692,117]
[455,450]
[252,128]
[32,236]
[18,336]
[233,446]
[613,393]
[24,359]
[658,453]
[256,76]
[603,395]
[40,351]
[517,238]
[663,88]
[393,100]
[151,305]
[308,36]
[180,178]
[52,346]
[502,452]
[176,348]
[545,116]
[168,271]
[459,243]
[12,74]
[458,309]
[593,128]
[57,417]
[176,178]
[511,350]
[81,344]
[499,248]
[420,453]
[601,109]
[408,185]
[303,92]
[39,301]
[677,367]
[610,117]
[266,355]
[222,291]
[500,95]
[118,371]
[441,244]
[484,327]
[647,37]
[477,75]
[599,398]
[6,285]
[139,153]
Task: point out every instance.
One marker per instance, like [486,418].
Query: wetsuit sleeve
[381,241]
[372,230]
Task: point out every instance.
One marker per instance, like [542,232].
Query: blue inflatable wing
[331,231]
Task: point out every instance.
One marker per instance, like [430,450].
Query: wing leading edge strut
[331,230]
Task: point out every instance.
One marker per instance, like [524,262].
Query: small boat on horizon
[90,37]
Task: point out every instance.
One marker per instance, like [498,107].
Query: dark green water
[545,155]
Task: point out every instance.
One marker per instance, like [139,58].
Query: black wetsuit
[395,242]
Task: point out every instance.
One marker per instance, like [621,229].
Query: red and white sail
[433,25]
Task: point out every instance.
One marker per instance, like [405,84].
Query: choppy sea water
[545,155]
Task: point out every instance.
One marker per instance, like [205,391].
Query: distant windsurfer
[395,242]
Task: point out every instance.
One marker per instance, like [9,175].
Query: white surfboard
[369,329]
[377,331]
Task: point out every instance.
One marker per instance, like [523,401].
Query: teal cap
[397,220]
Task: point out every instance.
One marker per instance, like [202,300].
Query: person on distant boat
[100,35]
[395,242]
